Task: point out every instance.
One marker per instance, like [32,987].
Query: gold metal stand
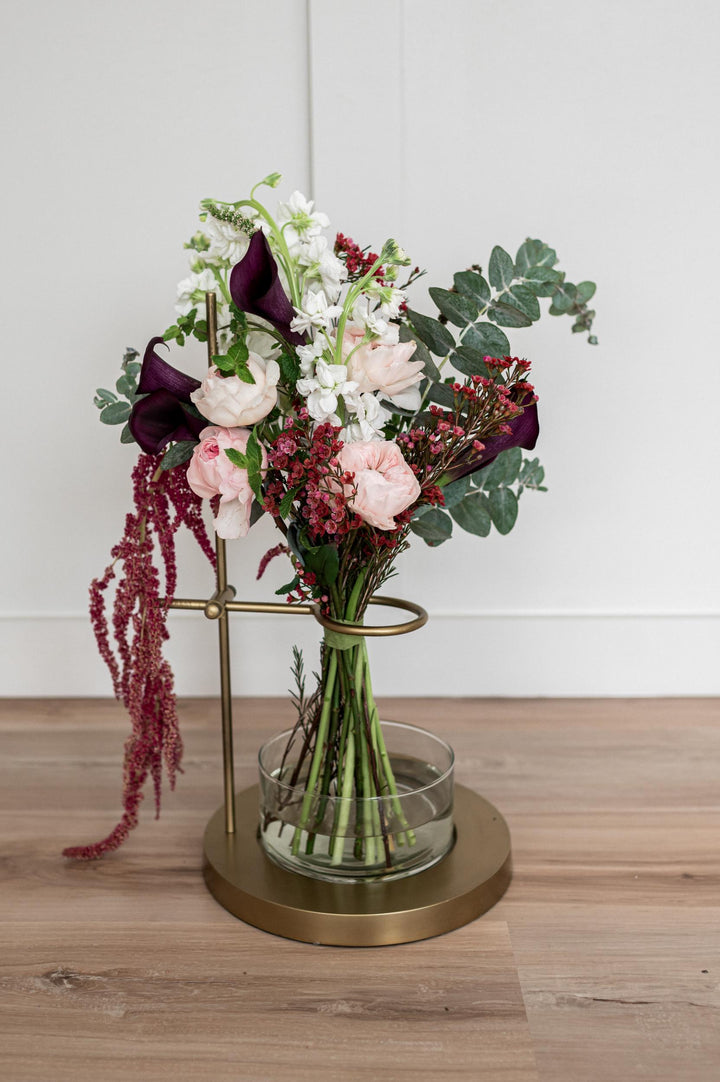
[466,883]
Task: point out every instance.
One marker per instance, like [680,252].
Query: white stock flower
[370,419]
[322,390]
[191,291]
[390,301]
[369,318]
[227,243]
[308,355]
[323,264]
[299,222]
[299,211]
[316,312]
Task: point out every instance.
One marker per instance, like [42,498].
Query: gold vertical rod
[223,626]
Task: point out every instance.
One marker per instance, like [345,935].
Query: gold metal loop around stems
[217,604]
[421,618]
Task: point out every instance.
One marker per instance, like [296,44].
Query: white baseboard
[462,654]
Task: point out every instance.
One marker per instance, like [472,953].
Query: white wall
[592,126]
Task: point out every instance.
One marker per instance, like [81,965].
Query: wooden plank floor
[602,961]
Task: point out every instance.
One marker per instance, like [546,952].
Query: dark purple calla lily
[256,288]
[160,418]
[525,430]
[157,375]
[164,414]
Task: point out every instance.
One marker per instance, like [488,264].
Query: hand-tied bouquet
[350,418]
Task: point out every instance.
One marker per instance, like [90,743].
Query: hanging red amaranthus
[142,678]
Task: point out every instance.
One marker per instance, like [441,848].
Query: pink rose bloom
[384,365]
[211,473]
[229,401]
[385,484]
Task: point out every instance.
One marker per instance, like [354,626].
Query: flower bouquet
[357,423]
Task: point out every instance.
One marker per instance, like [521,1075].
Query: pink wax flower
[385,485]
[383,365]
[211,473]
[229,401]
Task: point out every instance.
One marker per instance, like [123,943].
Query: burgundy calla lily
[161,418]
[524,431]
[165,414]
[157,375]
[255,288]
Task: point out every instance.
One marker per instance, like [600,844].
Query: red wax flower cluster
[357,262]
[304,462]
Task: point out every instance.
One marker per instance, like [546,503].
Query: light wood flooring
[601,963]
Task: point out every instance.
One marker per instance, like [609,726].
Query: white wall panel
[591,126]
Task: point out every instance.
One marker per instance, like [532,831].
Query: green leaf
[472,284]
[534,253]
[435,336]
[487,339]
[171,333]
[116,413]
[126,435]
[289,368]
[254,450]
[471,362]
[244,374]
[256,512]
[132,367]
[239,353]
[542,280]
[503,507]
[508,465]
[287,501]
[585,291]
[532,473]
[103,398]
[255,481]
[223,363]
[503,471]
[523,298]
[442,395]
[472,514]
[507,316]
[422,353]
[501,269]
[455,492]
[457,308]
[237,458]
[563,299]
[434,526]
[324,561]
[288,587]
[177,454]
[126,386]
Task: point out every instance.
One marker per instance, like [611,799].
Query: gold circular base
[466,883]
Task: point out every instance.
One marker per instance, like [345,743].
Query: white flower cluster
[353,382]
[345,384]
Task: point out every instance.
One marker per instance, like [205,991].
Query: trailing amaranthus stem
[142,678]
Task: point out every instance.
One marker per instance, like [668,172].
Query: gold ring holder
[464,884]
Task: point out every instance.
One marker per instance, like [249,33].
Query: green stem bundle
[349,763]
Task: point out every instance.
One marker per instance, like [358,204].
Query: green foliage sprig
[115,405]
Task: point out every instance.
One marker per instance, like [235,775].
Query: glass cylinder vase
[370,800]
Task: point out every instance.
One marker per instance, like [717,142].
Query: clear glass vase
[338,834]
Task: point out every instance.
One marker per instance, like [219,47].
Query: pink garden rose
[384,365]
[211,473]
[229,401]
[385,485]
